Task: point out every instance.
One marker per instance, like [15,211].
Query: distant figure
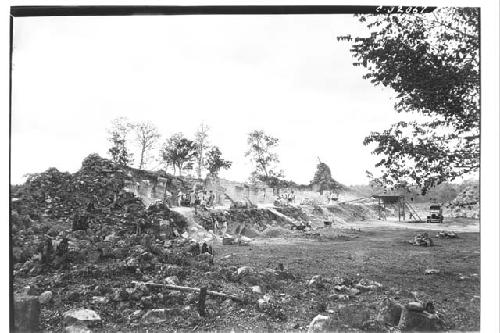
[224,228]
[180,198]
[332,198]
[199,197]
[167,197]
[192,198]
[206,199]
[211,199]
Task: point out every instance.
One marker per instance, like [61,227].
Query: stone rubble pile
[446,234]
[466,204]
[422,239]
[59,219]
[390,316]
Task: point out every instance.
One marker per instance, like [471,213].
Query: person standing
[192,198]
[167,198]
[180,198]
[211,199]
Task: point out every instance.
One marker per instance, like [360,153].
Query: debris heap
[422,239]
[446,234]
[466,204]
[59,218]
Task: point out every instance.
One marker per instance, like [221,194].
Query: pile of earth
[251,222]
[126,288]
[466,204]
[341,213]
[58,218]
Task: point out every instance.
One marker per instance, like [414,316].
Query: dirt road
[458,225]
[378,253]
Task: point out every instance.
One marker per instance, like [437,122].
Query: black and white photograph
[251,168]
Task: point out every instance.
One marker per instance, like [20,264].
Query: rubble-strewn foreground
[88,255]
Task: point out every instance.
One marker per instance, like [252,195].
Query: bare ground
[382,254]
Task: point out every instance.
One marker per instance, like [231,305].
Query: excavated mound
[59,218]
[466,204]
[250,222]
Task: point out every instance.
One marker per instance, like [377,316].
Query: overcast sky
[285,74]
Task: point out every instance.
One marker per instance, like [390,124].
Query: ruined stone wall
[150,190]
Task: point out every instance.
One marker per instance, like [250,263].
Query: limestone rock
[45,297]
[155,316]
[172,280]
[389,312]
[26,313]
[432,271]
[264,302]
[82,317]
[320,323]
[415,306]
[77,329]
[244,270]
[257,289]
[316,281]
[412,320]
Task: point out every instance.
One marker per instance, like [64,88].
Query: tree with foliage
[261,153]
[146,137]
[323,179]
[120,127]
[432,62]
[118,150]
[202,144]
[178,152]
[215,162]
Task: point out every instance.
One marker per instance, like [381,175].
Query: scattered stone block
[45,297]
[432,271]
[389,312]
[172,280]
[320,323]
[257,289]
[264,302]
[244,270]
[77,329]
[26,313]
[415,306]
[316,281]
[82,317]
[155,316]
[423,321]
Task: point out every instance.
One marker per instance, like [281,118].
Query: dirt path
[458,225]
[378,253]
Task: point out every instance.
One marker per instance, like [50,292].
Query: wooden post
[379,217]
[201,301]
[403,204]
[399,209]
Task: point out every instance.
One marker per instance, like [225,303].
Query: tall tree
[432,62]
[118,132]
[178,152]
[202,144]
[261,152]
[118,150]
[146,137]
[215,162]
